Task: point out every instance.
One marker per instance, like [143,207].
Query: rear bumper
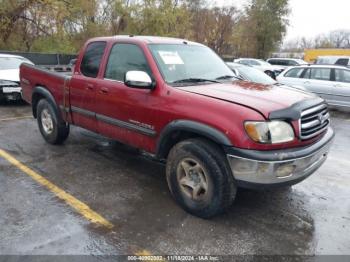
[265,169]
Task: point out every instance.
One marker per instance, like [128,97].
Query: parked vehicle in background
[331,82]
[262,65]
[311,55]
[10,88]
[286,62]
[178,101]
[333,60]
[251,74]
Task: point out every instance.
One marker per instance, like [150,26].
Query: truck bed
[33,76]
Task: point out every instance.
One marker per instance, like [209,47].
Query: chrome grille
[314,121]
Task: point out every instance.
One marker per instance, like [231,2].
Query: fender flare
[193,127]
[43,92]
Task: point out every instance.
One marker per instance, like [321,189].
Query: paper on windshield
[171,58]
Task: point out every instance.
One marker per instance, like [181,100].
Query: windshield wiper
[194,80]
[225,77]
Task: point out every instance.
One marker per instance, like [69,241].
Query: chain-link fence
[44,59]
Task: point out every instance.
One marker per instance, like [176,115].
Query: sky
[310,18]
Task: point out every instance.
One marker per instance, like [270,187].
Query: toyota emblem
[321,118]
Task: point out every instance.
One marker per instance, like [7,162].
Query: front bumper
[265,169]
[11,93]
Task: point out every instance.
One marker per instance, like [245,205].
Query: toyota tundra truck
[178,101]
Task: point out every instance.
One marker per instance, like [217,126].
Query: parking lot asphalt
[129,190]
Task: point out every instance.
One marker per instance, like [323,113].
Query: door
[341,88]
[318,81]
[84,87]
[125,113]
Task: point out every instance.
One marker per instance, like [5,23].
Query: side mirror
[138,79]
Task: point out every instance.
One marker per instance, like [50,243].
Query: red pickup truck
[180,102]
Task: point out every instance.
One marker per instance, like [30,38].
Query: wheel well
[175,137]
[35,100]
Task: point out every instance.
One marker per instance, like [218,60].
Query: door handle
[307,82]
[90,86]
[104,90]
[337,85]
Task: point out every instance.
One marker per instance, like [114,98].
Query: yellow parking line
[79,206]
[15,118]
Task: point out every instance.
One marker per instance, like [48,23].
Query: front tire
[199,178]
[54,130]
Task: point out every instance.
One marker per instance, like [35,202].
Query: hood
[262,98]
[10,75]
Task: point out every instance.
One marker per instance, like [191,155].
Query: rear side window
[274,62]
[321,74]
[342,76]
[342,61]
[124,58]
[295,72]
[254,63]
[245,62]
[90,64]
[292,63]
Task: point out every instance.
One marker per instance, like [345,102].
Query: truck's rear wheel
[199,178]
[51,128]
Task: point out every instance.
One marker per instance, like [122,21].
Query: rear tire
[52,128]
[199,178]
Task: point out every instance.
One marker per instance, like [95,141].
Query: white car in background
[262,65]
[333,60]
[9,76]
[286,62]
[331,82]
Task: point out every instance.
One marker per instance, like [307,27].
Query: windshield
[255,75]
[181,63]
[11,62]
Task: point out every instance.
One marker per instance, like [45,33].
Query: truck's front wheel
[51,128]
[199,178]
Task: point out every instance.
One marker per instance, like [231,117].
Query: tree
[333,39]
[214,27]
[263,27]
[63,26]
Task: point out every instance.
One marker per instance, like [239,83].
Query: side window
[245,62]
[342,76]
[292,63]
[295,72]
[321,74]
[254,63]
[342,61]
[273,62]
[91,61]
[124,58]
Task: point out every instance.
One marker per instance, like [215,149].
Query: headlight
[272,132]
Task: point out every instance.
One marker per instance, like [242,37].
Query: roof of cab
[145,39]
